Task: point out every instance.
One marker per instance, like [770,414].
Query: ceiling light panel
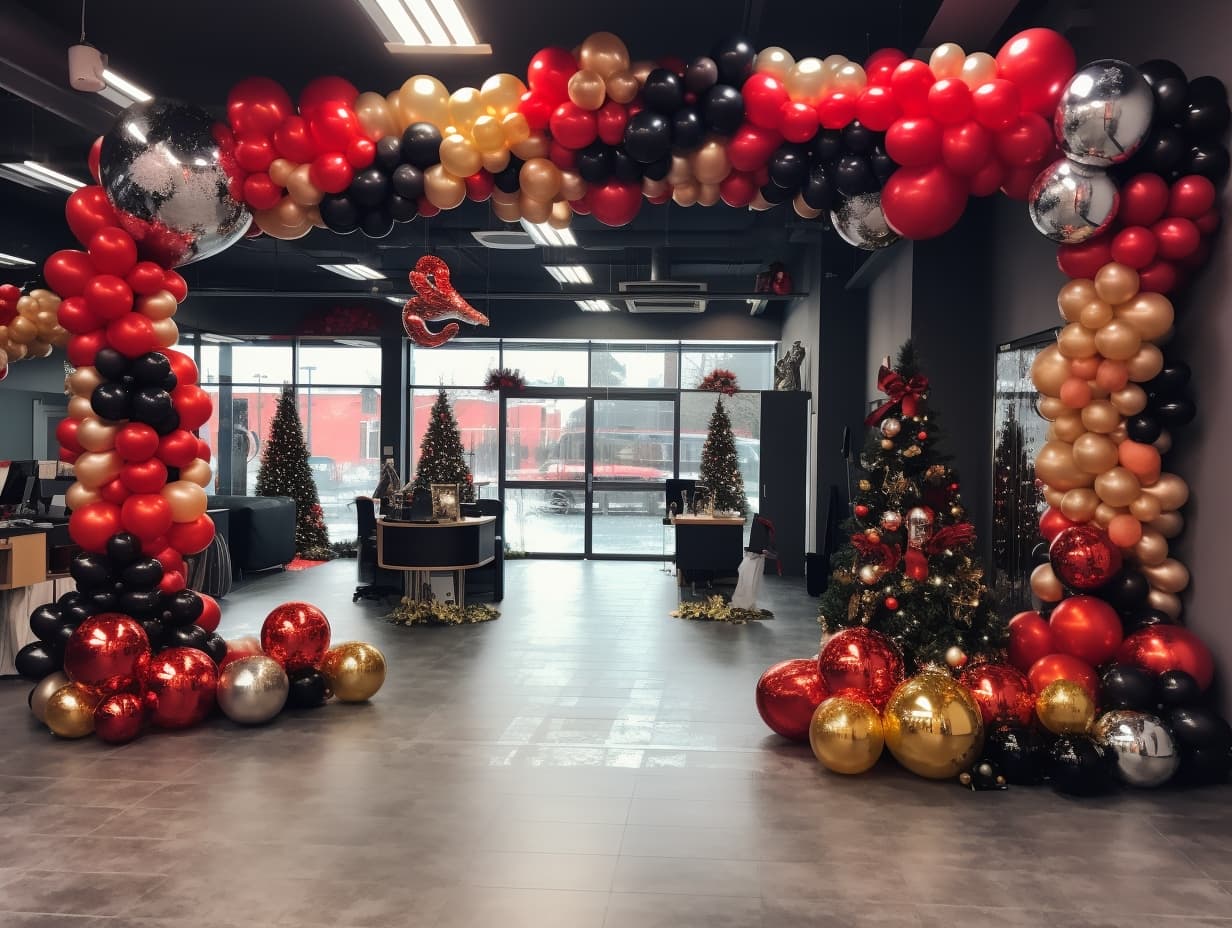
[13,261]
[569,273]
[594,306]
[33,174]
[543,234]
[120,90]
[423,25]
[353,271]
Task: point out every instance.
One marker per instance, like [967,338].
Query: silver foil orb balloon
[1070,202]
[163,172]
[1104,113]
[252,689]
[859,221]
[1140,744]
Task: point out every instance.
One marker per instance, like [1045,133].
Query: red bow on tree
[907,392]
[883,555]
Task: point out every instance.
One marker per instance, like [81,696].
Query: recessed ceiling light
[353,271]
[121,91]
[13,260]
[33,174]
[423,26]
[594,306]
[569,273]
[543,234]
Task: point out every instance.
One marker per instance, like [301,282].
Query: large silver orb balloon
[42,692]
[859,221]
[163,172]
[1070,202]
[253,689]
[1143,748]
[1104,113]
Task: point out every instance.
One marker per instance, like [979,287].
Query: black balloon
[69,600]
[142,605]
[734,56]
[818,192]
[723,109]
[76,612]
[1162,152]
[167,424]
[377,223]
[408,181]
[859,138]
[663,91]
[506,180]
[1171,380]
[182,608]
[91,571]
[36,660]
[1158,69]
[1200,727]
[216,647]
[788,166]
[155,631]
[151,368]
[401,209]
[853,175]
[773,193]
[1210,160]
[388,153]
[188,636]
[624,167]
[648,137]
[1079,766]
[421,145]
[339,212]
[63,634]
[882,164]
[594,163]
[1204,766]
[1145,618]
[1143,428]
[105,601]
[688,130]
[826,146]
[1206,120]
[369,187]
[1127,591]
[1171,95]
[307,690]
[657,170]
[110,401]
[1207,89]
[1175,412]
[701,74]
[1124,686]
[151,405]
[1017,751]
[110,363]
[142,574]
[1175,689]
[45,621]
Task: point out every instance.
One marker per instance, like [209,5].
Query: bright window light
[13,260]
[353,271]
[423,25]
[123,91]
[543,234]
[569,273]
[41,175]
[594,306]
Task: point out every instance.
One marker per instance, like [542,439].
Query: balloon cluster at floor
[110,674]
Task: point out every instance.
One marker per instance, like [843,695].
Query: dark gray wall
[41,379]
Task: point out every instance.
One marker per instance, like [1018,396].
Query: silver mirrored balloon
[163,172]
[1141,745]
[859,221]
[1104,113]
[253,689]
[1070,202]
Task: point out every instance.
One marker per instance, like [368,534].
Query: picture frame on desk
[446,502]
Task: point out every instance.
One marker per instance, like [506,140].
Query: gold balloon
[1051,407]
[587,89]
[846,734]
[95,435]
[442,189]
[603,53]
[353,670]
[1163,444]
[22,331]
[280,170]
[1069,427]
[516,129]
[160,305]
[947,60]
[496,161]
[301,189]
[1146,363]
[78,495]
[1151,315]
[1145,508]
[43,691]
[1117,486]
[424,99]
[1168,524]
[1116,283]
[1151,549]
[374,114]
[978,69]
[465,106]
[166,332]
[933,726]
[1049,370]
[534,210]
[776,61]
[506,212]
[70,711]
[1055,465]
[848,78]
[1171,491]
[198,472]
[1095,453]
[539,178]
[78,406]
[39,348]
[1079,505]
[1074,297]
[803,210]
[1065,708]
[680,171]
[708,194]
[186,499]
[685,194]
[1104,514]
[1167,603]
[459,155]
[1096,314]
[501,94]
[83,381]
[505,199]
[572,187]
[46,321]
[1130,401]
[562,215]
[1046,585]
[93,469]
[535,145]
[622,86]
[488,136]
[806,81]
[395,109]
[1100,416]
[1116,340]
[655,188]
[710,164]
[1169,577]
[15,351]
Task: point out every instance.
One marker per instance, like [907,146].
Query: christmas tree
[720,469]
[285,472]
[910,569]
[1015,511]
[440,453]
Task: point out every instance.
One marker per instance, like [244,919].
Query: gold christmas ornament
[846,734]
[914,451]
[887,445]
[891,427]
[864,486]
[869,574]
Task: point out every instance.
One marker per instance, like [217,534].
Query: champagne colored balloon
[506,212]
[1055,465]
[1095,453]
[710,164]
[14,351]
[424,99]
[39,348]
[1046,585]
[685,194]
[79,407]
[43,691]
[22,331]
[933,725]
[1151,549]
[465,106]
[572,187]
[1116,283]
[1124,531]
[197,472]
[680,171]
[603,53]
[516,129]
[775,61]
[846,734]
[1167,603]
[78,496]
[70,711]
[375,116]
[803,210]
[496,161]
[280,171]
[160,305]
[533,209]
[562,215]
[501,94]
[1163,444]
[1065,707]
[290,215]
[708,195]
[186,500]
[655,188]
[442,189]
[622,86]
[831,63]
[978,69]
[459,155]
[1130,401]
[1079,505]
[1117,340]
[46,321]
[806,81]
[947,60]
[848,78]
[93,469]
[1145,508]
[587,89]
[394,102]
[1053,497]
[1170,576]
[1101,416]
[83,381]
[1145,364]
[166,332]
[505,199]
[1171,490]
[488,137]
[535,145]
[1117,486]
[27,306]
[1119,434]
[1074,297]
[1052,408]
[539,178]
[1049,370]
[1104,514]
[640,70]
[95,435]
[1096,314]
[1151,315]
[301,189]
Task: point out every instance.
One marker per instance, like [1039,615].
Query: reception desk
[33,570]
[713,544]
[419,548]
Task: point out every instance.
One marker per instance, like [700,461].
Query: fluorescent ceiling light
[13,260]
[397,300]
[121,91]
[423,26]
[31,173]
[220,339]
[355,342]
[569,273]
[353,271]
[594,306]
[543,234]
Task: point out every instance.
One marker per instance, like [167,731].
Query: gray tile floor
[584,761]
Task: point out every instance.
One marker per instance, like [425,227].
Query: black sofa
[261,531]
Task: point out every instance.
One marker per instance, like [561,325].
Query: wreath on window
[505,379]
[719,380]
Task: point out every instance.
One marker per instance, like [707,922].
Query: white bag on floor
[749,583]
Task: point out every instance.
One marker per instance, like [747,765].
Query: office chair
[375,582]
[493,575]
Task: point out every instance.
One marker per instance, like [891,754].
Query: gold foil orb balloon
[933,726]
[1065,707]
[846,734]
[70,711]
[43,691]
[354,671]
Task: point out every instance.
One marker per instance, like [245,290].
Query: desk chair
[375,582]
[490,577]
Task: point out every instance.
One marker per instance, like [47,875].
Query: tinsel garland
[717,609]
[431,612]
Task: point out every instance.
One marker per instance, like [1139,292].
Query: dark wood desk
[419,548]
[709,543]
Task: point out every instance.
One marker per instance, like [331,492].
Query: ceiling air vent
[663,296]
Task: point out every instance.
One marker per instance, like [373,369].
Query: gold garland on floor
[431,612]
[717,609]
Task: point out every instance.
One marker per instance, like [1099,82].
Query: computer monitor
[17,484]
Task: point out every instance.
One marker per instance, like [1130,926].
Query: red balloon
[114,491]
[1003,693]
[1053,522]
[145,278]
[178,448]
[615,203]
[193,405]
[1030,639]
[172,582]
[191,537]
[92,524]
[914,142]
[146,515]
[949,101]
[118,718]
[1177,238]
[92,159]
[611,120]
[332,125]
[1191,196]
[426,209]
[573,126]
[863,660]
[987,180]
[258,104]
[324,90]
[479,187]
[564,158]
[331,172]
[1053,667]
[1083,557]
[238,648]
[764,98]
[211,614]
[148,476]
[876,108]
[1208,222]
[1158,277]
[176,285]
[1084,260]
[966,149]
[536,109]
[798,121]
[292,141]
[787,695]
[738,189]
[254,151]
[1169,647]
[751,147]
[1040,63]
[548,74]
[136,441]
[910,84]
[996,105]
[113,251]
[1144,198]
[837,110]
[880,65]
[1018,182]
[260,192]
[68,272]
[184,367]
[66,434]
[179,687]
[171,559]
[203,449]
[1086,628]
[922,203]
[296,635]
[132,335]
[88,210]
[81,349]
[107,653]
[75,316]
[109,297]
[1026,142]
[1135,247]
[361,152]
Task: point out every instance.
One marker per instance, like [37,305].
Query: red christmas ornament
[915,565]
[1004,694]
[1169,647]
[1030,639]
[1086,628]
[921,436]
[1084,557]
[179,687]
[1053,667]
[118,718]
[296,635]
[860,510]
[863,660]
[891,603]
[107,652]
[787,694]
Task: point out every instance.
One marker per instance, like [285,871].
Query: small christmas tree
[285,472]
[720,469]
[1015,512]
[440,453]
[910,569]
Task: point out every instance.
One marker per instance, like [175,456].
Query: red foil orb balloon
[108,653]
[787,694]
[1004,694]
[1086,628]
[1168,647]
[179,687]
[118,718]
[863,660]
[1063,667]
[296,635]
[1084,557]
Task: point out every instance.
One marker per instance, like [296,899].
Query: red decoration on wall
[436,299]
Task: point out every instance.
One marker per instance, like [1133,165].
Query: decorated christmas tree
[285,472]
[720,469]
[1015,511]
[909,568]
[440,453]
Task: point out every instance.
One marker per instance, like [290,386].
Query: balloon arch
[1119,165]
